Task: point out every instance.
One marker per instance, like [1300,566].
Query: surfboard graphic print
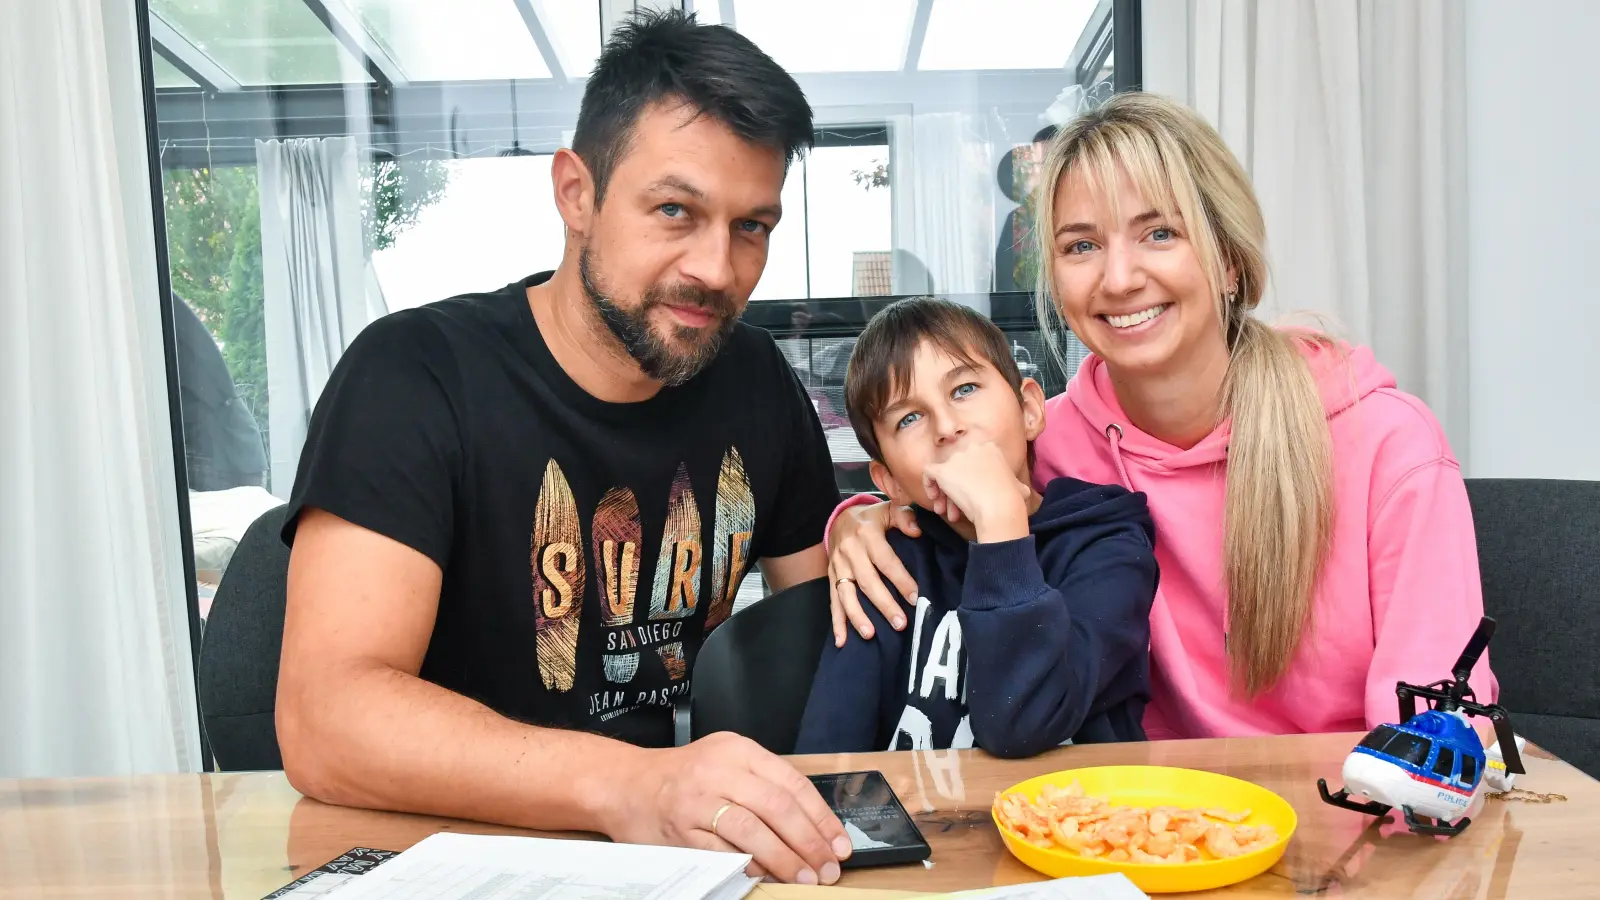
[672,596]
[558,569]
[618,540]
[730,549]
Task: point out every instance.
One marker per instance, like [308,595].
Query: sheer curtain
[1350,117]
[317,288]
[944,196]
[95,666]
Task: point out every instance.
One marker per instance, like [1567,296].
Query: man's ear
[574,191]
[1032,408]
[887,483]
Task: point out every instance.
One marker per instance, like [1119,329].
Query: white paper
[1114,886]
[452,866]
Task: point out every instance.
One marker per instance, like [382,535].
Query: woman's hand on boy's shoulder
[859,562]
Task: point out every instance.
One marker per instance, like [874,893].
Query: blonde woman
[1313,530]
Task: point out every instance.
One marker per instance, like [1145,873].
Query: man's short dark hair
[881,364]
[666,57]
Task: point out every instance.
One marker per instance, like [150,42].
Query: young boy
[1033,627]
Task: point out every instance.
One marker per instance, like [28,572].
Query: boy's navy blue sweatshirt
[1015,646]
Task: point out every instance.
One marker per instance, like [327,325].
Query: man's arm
[358,727]
[782,572]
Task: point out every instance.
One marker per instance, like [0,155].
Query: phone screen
[881,833]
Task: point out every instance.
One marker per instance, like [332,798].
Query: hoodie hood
[1344,374]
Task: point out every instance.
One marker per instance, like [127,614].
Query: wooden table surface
[244,835]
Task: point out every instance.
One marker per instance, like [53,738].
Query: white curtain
[1350,117]
[95,666]
[315,281]
[944,204]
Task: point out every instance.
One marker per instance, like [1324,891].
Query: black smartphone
[881,833]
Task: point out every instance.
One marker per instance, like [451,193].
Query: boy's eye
[964,390]
[907,420]
[671,210]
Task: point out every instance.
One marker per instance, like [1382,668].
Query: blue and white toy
[1432,765]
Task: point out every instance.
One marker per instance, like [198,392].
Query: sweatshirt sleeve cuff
[1005,573]
[852,500]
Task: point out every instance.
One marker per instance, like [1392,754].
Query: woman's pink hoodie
[1398,598]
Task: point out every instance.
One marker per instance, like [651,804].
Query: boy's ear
[887,483]
[1032,408]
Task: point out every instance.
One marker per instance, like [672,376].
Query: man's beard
[658,358]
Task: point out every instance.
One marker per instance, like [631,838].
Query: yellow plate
[1161,786]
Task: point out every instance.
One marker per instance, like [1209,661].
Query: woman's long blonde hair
[1278,515]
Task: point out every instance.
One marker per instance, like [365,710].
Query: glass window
[1445,765]
[1409,748]
[1469,770]
[461,39]
[1002,34]
[1378,738]
[928,139]
[829,36]
[263,42]
[167,75]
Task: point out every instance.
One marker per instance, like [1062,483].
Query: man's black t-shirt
[587,546]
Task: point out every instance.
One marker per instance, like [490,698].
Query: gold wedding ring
[844,581]
[718,817]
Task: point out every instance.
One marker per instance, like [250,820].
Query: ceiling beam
[541,37]
[188,58]
[919,33]
[347,29]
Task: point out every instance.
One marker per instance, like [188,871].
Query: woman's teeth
[1133,319]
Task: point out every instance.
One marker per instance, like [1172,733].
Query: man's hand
[772,811]
[977,482]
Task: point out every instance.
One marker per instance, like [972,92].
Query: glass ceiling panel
[453,40]
[1003,34]
[574,29]
[167,75]
[827,35]
[263,41]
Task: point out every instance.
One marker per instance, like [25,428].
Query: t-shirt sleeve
[808,492]
[383,450]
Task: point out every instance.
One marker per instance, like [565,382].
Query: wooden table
[245,835]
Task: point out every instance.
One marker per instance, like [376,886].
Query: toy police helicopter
[1432,765]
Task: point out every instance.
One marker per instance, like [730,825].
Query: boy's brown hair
[881,361]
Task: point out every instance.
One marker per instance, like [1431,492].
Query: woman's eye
[964,390]
[1084,246]
[671,210]
[1162,234]
[907,420]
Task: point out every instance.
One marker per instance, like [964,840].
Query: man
[518,513]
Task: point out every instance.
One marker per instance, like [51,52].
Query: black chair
[238,675]
[754,672]
[1539,553]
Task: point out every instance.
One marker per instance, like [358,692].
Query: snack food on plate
[1093,827]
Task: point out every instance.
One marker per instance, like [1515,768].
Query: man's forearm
[379,738]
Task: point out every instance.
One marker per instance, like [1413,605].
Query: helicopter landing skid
[1421,827]
[1341,799]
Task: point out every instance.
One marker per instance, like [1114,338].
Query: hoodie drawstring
[1114,434]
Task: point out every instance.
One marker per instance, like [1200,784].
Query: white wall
[1533,193]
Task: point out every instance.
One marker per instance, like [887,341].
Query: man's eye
[671,210]
[964,390]
[751,226]
[907,420]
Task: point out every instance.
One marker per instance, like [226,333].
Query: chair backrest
[1539,555]
[753,674]
[238,675]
